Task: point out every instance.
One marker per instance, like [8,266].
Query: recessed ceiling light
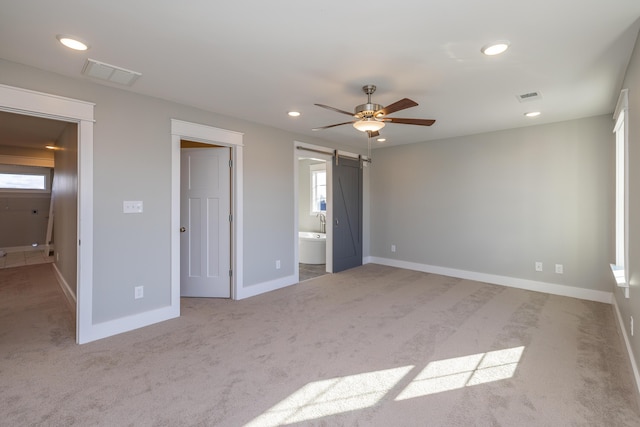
[495,48]
[381,139]
[294,113]
[532,114]
[72,42]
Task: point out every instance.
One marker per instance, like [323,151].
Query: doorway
[181,130]
[37,104]
[344,216]
[313,205]
[311,214]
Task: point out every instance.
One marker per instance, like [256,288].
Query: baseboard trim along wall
[260,288]
[632,359]
[28,248]
[530,285]
[69,294]
[129,323]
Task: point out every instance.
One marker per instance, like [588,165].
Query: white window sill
[620,276]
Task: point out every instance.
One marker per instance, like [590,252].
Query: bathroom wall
[306,221]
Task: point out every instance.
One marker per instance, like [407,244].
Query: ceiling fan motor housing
[365,111]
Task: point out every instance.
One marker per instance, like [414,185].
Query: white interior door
[205,208]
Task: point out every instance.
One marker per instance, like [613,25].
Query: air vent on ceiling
[110,73]
[530,96]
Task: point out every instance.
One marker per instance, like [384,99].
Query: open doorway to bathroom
[313,206]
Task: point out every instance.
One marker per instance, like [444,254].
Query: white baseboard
[513,282]
[69,294]
[261,288]
[28,248]
[128,323]
[634,366]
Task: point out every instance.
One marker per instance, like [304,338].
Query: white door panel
[205,208]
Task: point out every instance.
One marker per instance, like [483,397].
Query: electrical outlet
[559,269]
[277,264]
[393,248]
[138,292]
[538,266]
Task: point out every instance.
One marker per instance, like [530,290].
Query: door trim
[214,136]
[32,103]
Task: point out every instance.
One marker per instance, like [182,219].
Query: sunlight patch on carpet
[333,396]
[459,372]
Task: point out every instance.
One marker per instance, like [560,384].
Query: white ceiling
[259,59]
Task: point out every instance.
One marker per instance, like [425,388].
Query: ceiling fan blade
[373,133]
[419,122]
[337,110]
[332,126]
[397,106]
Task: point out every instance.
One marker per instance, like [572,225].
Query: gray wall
[631,307]
[65,205]
[132,161]
[498,202]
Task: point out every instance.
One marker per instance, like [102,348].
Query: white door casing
[205,238]
[215,136]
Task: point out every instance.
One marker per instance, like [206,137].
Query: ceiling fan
[371,117]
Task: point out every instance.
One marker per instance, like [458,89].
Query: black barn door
[347,214]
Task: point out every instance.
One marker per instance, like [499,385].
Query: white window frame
[621,130]
[313,170]
[27,170]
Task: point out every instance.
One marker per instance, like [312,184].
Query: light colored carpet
[372,346]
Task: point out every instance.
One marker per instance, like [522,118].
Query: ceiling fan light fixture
[495,48]
[368,124]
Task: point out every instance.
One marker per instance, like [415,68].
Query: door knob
[183,229]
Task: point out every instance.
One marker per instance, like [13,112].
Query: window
[24,179]
[318,188]
[621,131]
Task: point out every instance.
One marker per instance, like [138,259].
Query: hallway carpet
[371,346]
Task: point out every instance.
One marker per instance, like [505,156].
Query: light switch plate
[132,206]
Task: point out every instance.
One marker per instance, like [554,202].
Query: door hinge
[230,273]
[230,218]
[230,163]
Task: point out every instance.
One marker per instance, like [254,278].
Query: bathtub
[312,247]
